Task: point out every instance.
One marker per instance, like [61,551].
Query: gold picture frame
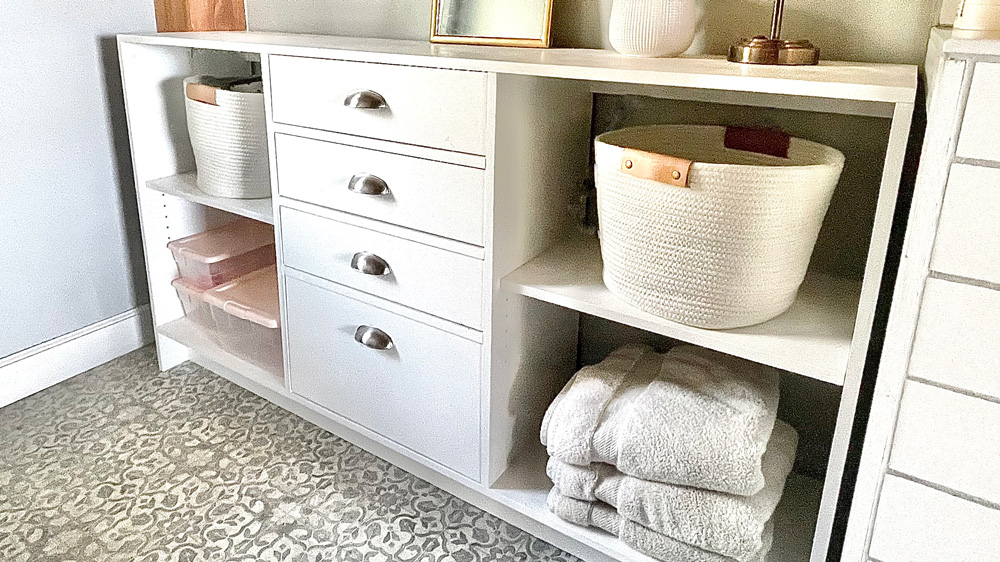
[439,35]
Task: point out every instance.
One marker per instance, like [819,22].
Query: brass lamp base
[762,50]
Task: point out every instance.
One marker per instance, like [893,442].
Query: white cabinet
[927,488]
[917,523]
[417,385]
[955,343]
[434,197]
[429,279]
[431,276]
[949,439]
[977,138]
[422,106]
[968,237]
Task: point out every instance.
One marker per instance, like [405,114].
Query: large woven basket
[229,142]
[709,226]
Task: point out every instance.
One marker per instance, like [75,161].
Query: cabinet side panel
[937,150]
[537,163]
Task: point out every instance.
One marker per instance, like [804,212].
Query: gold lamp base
[763,50]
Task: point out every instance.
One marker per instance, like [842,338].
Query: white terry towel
[703,421]
[647,541]
[574,414]
[723,523]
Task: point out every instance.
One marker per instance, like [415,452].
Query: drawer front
[436,281]
[968,236]
[982,115]
[442,199]
[948,439]
[915,523]
[423,393]
[956,337]
[423,106]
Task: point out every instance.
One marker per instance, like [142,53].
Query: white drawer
[948,439]
[433,280]
[982,115]
[423,393]
[915,523]
[422,106]
[968,236]
[442,199]
[956,337]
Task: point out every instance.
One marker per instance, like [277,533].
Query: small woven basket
[229,142]
[719,233]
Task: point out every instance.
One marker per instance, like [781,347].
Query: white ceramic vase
[652,28]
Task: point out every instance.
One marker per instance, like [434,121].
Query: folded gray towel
[703,420]
[647,541]
[579,405]
[715,521]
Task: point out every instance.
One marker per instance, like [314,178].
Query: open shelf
[185,186]
[813,338]
[186,332]
[525,487]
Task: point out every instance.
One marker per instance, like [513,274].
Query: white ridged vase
[652,28]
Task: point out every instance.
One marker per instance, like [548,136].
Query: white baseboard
[37,368]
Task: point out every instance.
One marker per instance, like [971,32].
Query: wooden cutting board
[200,15]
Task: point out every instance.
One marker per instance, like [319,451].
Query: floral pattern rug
[125,463]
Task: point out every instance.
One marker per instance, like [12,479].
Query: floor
[125,463]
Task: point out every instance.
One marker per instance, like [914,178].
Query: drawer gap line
[956,389]
[944,489]
[964,280]
[396,142]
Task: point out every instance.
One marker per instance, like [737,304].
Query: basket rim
[835,156]
[223,92]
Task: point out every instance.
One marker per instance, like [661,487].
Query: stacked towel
[733,526]
[643,539]
[684,445]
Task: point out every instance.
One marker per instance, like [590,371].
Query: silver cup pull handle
[367,184]
[365,99]
[373,338]
[370,264]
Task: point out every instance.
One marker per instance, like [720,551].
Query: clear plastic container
[193,301]
[211,258]
[245,313]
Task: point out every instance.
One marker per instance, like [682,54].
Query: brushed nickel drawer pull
[367,184]
[365,99]
[370,264]
[373,338]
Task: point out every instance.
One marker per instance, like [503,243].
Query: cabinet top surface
[887,83]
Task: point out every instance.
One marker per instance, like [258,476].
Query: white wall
[69,240]
[860,30]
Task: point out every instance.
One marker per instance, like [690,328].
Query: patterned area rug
[125,463]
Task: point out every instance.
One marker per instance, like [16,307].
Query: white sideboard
[448,177]
[928,488]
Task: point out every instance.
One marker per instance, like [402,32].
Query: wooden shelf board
[525,487]
[813,338]
[188,333]
[185,186]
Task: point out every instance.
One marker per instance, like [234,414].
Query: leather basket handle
[657,167]
[676,171]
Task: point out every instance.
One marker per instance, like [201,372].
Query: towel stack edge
[684,458]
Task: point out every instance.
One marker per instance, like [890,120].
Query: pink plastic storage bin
[245,312]
[193,301]
[222,254]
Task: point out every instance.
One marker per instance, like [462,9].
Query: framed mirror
[514,23]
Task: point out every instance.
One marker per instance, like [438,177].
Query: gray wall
[858,30]
[69,239]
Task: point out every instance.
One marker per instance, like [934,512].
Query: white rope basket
[230,143]
[709,236]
